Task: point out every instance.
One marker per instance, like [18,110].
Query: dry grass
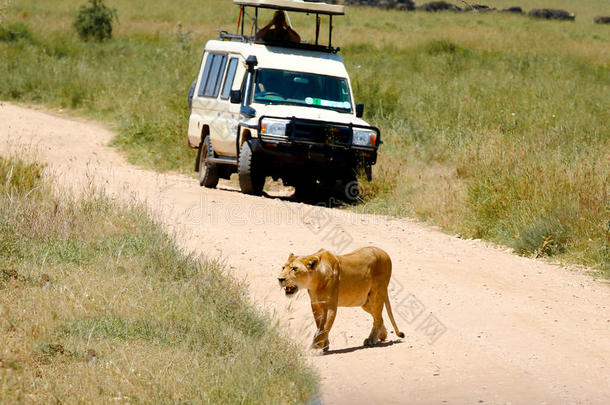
[495,127]
[97,305]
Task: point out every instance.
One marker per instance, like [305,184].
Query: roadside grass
[497,162]
[97,304]
[495,124]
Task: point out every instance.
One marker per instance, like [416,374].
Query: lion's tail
[389,309]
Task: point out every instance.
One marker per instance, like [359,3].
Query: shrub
[545,237]
[14,32]
[95,21]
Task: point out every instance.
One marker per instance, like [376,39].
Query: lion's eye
[293,269]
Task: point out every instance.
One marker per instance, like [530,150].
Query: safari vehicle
[282,109]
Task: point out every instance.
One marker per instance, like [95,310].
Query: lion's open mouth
[290,289]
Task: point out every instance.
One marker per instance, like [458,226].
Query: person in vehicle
[281,32]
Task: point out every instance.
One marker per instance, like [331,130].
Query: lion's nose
[280,279]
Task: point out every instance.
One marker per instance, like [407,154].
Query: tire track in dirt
[482,325]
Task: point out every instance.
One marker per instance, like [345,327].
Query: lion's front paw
[323,346]
[318,351]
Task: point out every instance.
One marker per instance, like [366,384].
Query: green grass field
[98,305]
[496,125]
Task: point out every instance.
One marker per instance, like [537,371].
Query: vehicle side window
[212,75]
[226,87]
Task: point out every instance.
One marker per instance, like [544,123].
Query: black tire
[251,180]
[351,190]
[305,189]
[190,95]
[208,172]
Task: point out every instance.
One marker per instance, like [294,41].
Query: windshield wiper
[268,101]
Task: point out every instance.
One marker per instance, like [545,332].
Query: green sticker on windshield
[327,103]
[313,101]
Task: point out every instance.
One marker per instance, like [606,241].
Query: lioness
[359,278]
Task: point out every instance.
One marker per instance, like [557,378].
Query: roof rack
[295,5]
[309,7]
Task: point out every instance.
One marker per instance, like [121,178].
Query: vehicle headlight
[364,137]
[274,127]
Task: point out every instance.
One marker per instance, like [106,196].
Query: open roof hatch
[308,7]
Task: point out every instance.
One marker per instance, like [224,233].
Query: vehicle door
[228,116]
[207,107]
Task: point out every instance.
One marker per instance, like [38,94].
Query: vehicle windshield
[307,89]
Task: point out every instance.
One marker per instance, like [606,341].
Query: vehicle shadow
[319,198]
[356,348]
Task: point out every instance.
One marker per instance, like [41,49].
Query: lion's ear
[292,256]
[312,261]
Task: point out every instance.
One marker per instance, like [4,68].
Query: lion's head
[297,273]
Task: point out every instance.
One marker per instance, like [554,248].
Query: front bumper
[321,148]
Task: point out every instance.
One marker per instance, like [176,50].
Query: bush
[14,32]
[545,237]
[95,21]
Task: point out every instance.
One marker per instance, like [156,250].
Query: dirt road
[482,325]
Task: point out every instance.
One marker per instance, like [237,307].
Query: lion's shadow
[362,347]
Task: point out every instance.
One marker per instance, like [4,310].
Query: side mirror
[251,62]
[359,110]
[235,96]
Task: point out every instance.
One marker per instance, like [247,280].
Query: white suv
[281,110]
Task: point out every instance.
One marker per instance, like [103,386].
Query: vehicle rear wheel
[189,98]
[251,180]
[208,172]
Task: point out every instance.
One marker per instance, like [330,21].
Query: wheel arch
[205,131]
[244,135]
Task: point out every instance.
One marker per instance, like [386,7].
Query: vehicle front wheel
[305,189]
[351,190]
[251,180]
[208,172]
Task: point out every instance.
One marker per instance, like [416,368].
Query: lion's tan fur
[359,278]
